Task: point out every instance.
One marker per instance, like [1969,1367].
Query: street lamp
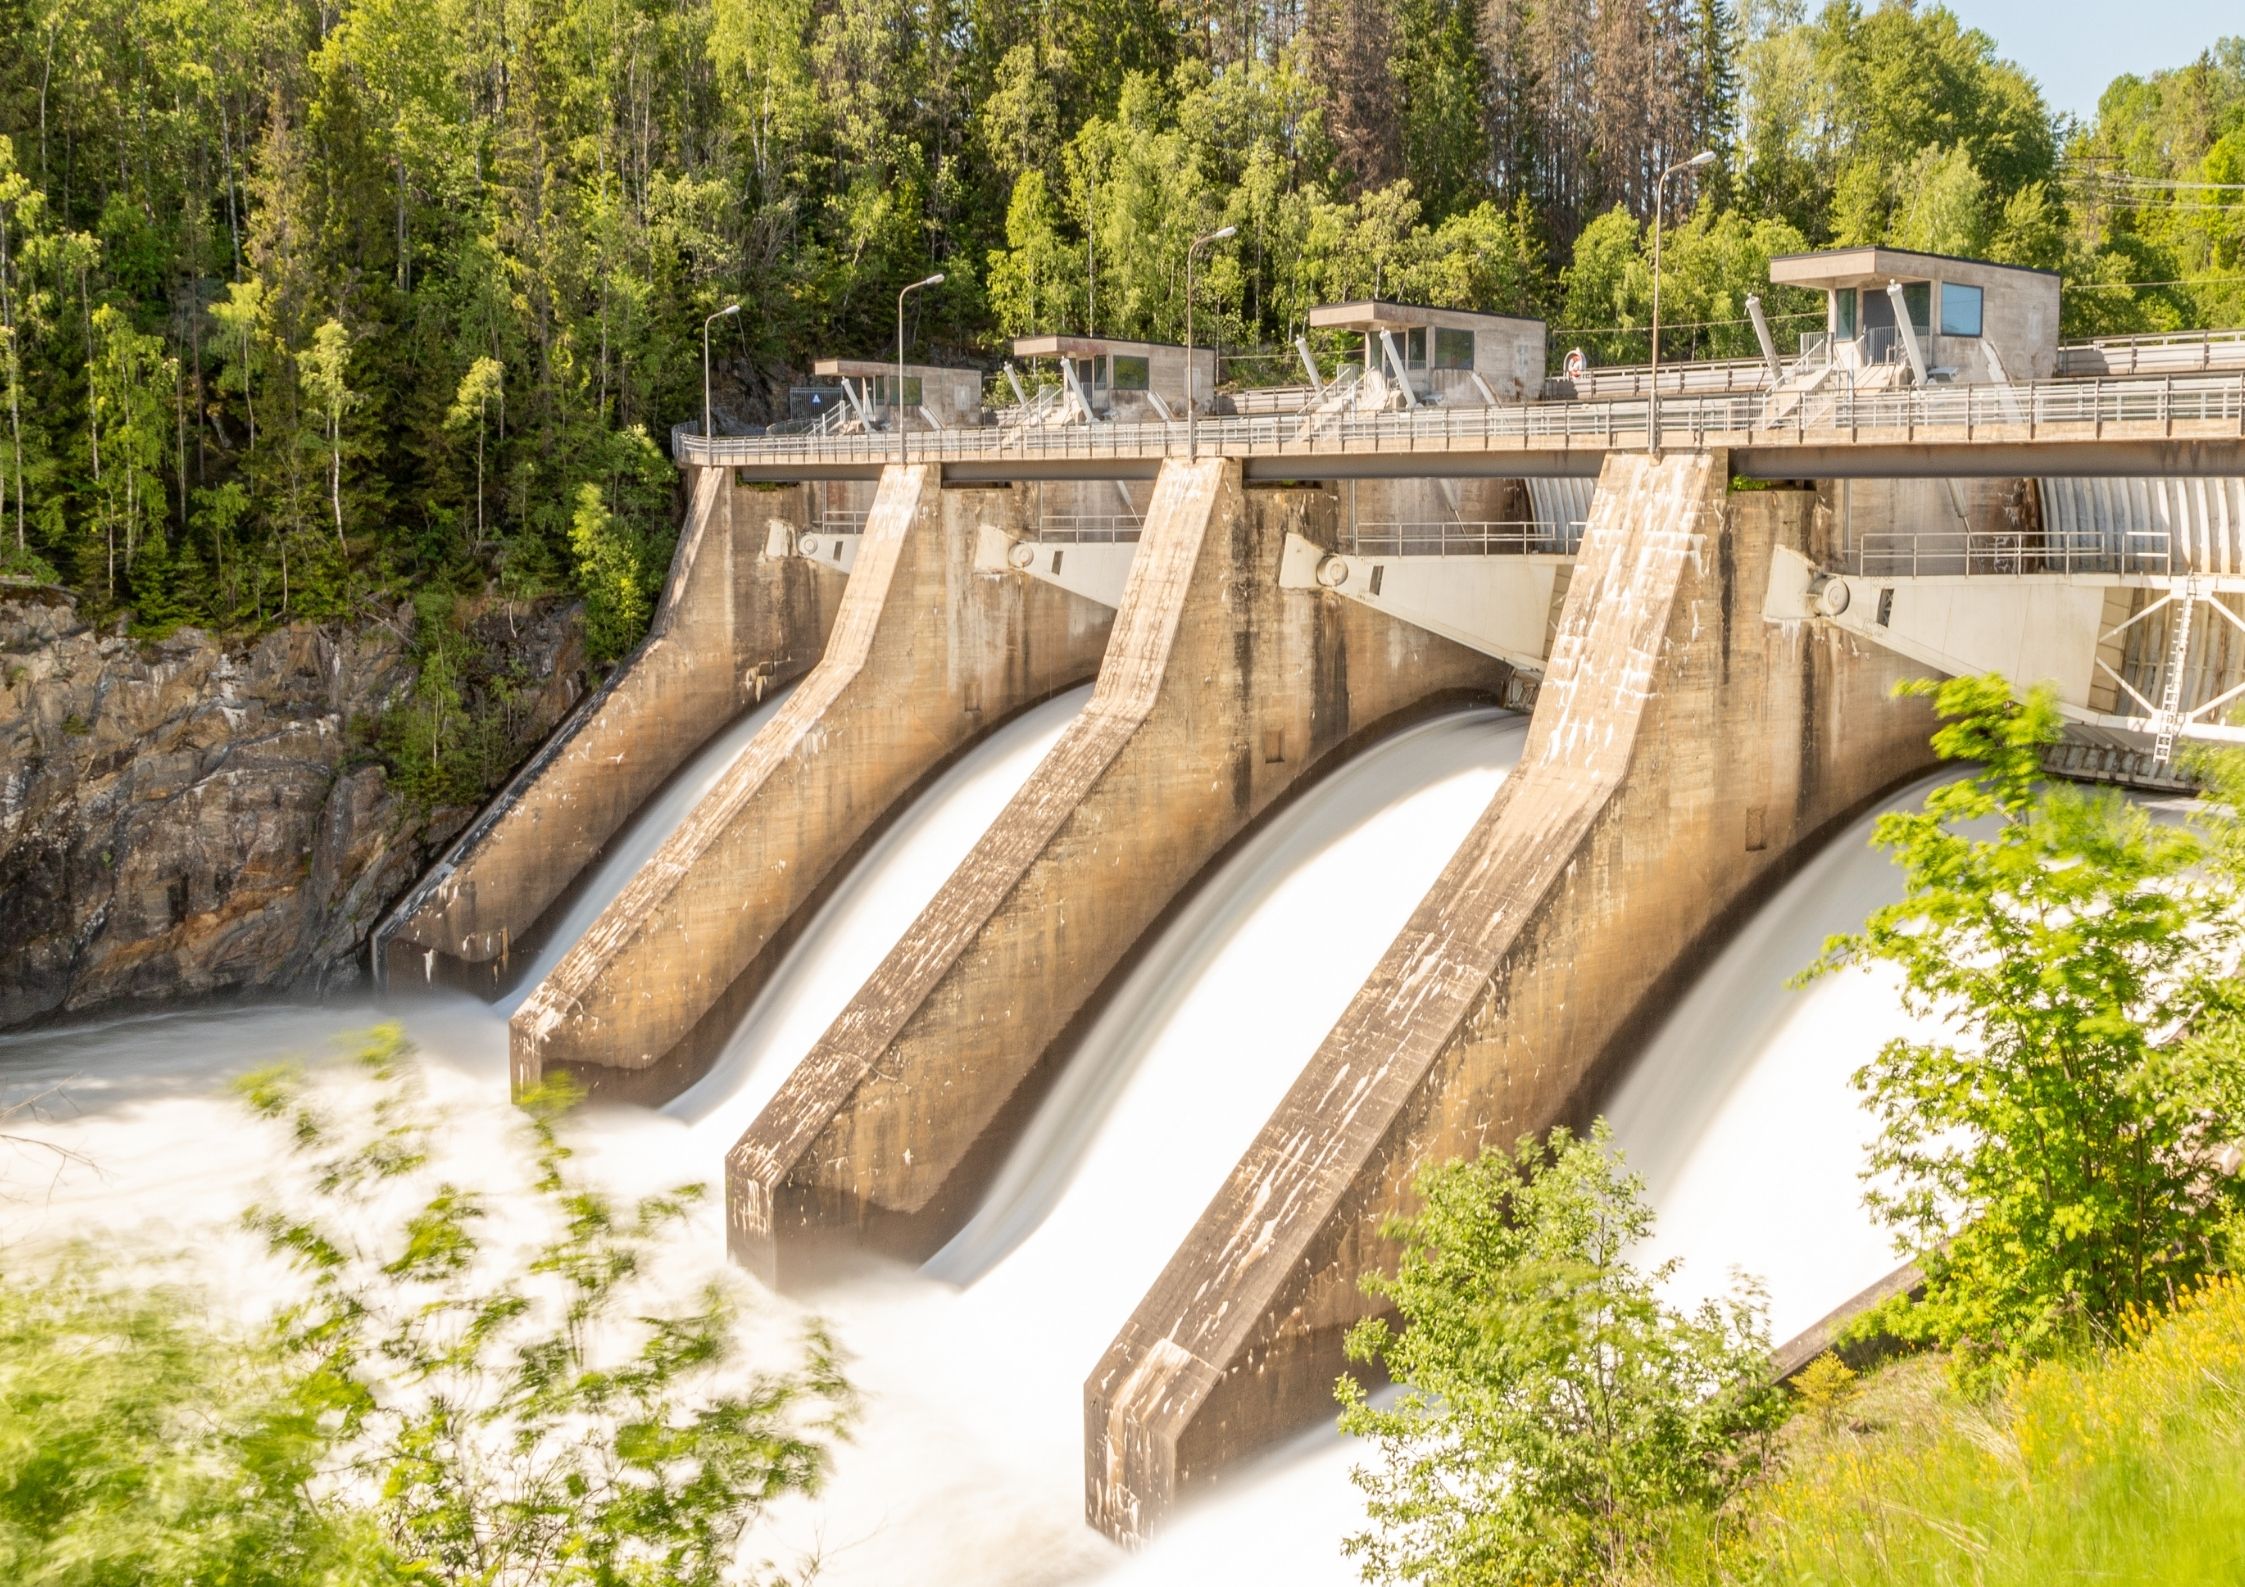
[1192,437]
[896,399]
[1660,191]
[728,309]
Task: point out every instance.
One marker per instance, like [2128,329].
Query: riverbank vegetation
[2119,1462]
[2059,1167]
[479,1371]
[306,306]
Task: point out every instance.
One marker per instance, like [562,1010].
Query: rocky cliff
[187,817]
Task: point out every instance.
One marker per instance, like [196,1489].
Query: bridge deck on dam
[2170,425]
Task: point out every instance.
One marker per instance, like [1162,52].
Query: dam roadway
[2192,424]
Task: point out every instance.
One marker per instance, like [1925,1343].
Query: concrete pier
[926,654]
[1220,692]
[1683,754]
[732,625]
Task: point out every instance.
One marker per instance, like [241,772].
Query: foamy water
[967,1467]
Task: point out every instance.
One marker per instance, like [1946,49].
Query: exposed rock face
[184,817]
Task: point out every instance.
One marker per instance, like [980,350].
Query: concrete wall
[1433,501]
[1220,692]
[732,624]
[926,655]
[1683,754]
[2019,324]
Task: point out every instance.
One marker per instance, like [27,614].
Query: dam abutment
[732,625]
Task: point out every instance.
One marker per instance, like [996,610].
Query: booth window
[1415,349]
[1843,314]
[1960,310]
[1131,374]
[912,397]
[1453,349]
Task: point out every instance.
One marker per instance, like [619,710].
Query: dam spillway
[1694,728]
[153,1103]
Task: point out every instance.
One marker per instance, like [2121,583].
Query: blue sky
[2075,47]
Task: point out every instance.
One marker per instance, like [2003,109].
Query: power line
[2120,179]
[2130,286]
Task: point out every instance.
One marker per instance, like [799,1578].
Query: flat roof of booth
[866,368]
[1062,346]
[1379,314]
[1856,267]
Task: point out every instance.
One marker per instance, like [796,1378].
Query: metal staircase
[2168,722]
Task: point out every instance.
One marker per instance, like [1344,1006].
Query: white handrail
[1852,416]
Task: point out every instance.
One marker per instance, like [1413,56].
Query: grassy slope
[2127,1467]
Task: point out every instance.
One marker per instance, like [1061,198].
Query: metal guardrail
[1634,380]
[2153,355]
[2003,553]
[1943,413]
[1251,400]
[1089,528]
[1446,538]
[842,523]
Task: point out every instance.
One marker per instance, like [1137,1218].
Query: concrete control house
[1124,382]
[1968,322]
[934,396]
[1450,357]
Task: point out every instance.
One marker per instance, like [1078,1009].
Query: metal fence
[1451,538]
[2177,354]
[1946,413]
[1089,528]
[2004,553]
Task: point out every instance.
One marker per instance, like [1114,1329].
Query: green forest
[309,306]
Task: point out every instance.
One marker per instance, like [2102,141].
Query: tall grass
[2127,1467]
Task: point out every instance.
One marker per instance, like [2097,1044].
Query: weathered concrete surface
[926,654]
[1681,754]
[1219,693]
[195,816]
[733,623]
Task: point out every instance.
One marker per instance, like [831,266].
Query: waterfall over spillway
[970,1451]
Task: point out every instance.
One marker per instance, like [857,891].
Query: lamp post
[727,310]
[1192,436]
[896,398]
[1660,191]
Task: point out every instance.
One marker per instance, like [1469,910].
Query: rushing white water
[972,1453]
[1741,1114]
[968,1464]
[863,918]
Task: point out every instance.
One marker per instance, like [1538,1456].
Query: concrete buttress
[1220,692]
[732,624]
[926,654]
[1683,755]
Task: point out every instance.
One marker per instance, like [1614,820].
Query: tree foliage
[480,1377]
[136,1447]
[371,291]
[2051,1168]
[1554,1414]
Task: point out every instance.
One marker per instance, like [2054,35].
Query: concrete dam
[1072,868]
